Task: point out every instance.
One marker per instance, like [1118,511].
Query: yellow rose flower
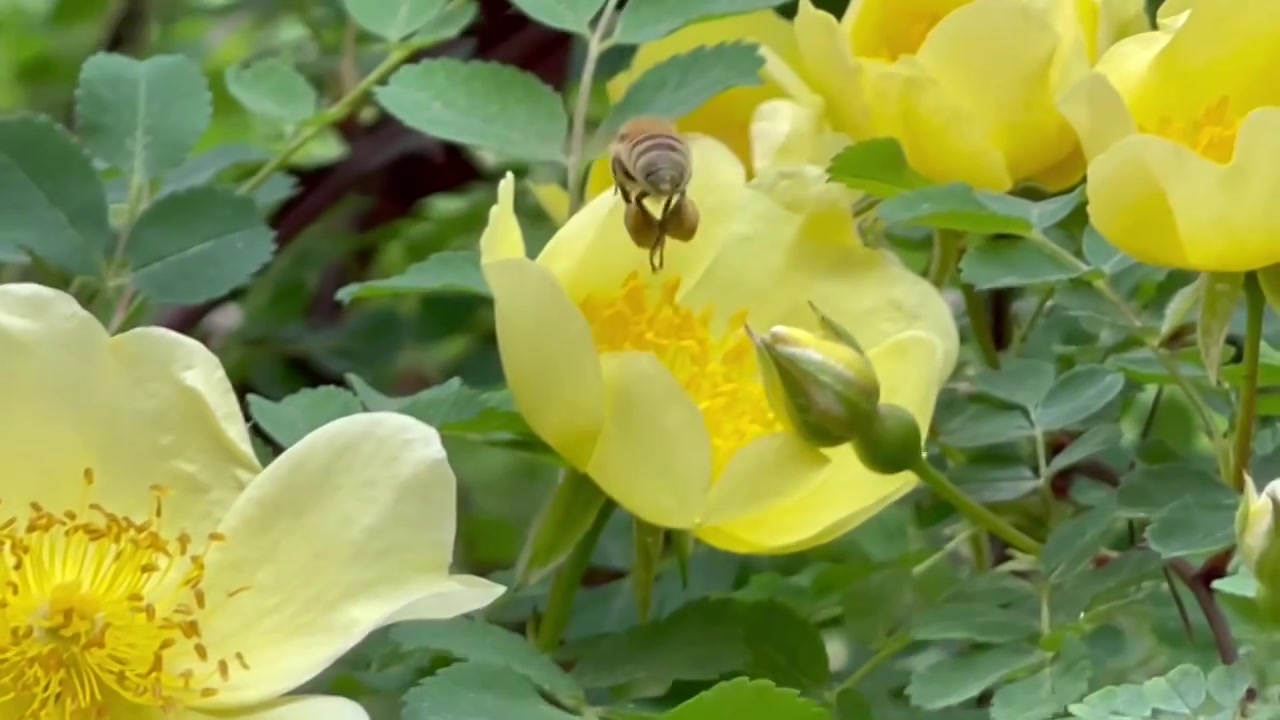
[649,382]
[1182,130]
[152,569]
[966,86]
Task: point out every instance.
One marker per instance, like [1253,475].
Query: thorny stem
[1197,582]
[339,110]
[1246,410]
[597,43]
[977,514]
[564,588]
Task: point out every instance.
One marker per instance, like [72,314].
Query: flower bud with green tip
[1257,538]
[824,388]
[892,443]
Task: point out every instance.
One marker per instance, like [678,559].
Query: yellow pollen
[1212,134]
[93,605]
[718,371]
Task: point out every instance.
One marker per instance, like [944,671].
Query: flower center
[1211,134]
[718,371]
[92,605]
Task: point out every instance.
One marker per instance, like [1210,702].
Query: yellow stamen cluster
[718,371]
[1211,134]
[94,607]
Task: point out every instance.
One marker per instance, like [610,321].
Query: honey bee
[651,160]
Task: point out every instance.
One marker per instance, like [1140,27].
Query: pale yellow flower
[649,383]
[966,86]
[1182,130]
[152,569]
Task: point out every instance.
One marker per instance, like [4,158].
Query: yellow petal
[941,138]
[502,237]
[847,494]
[553,199]
[301,707]
[448,597]
[1002,59]
[828,63]
[654,454]
[771,470]
[359,518]
[548,357]
[785,133]
[1166,205]
[1098,113]
[149,407]
[593,253]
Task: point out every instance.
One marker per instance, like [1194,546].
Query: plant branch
[946,253]
[336,112]
[597,43]
[977,514]
[564,588]
[1246,408]
[1197,581]
[979,320]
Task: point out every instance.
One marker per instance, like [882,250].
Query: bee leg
[657,254]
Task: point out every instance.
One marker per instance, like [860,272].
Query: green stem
[345,105]
[976,308]
[977,514]
[1099,282]
[1246,410]
[596,45]
[946,253]
[896,643]
[564,588]
[1020,335]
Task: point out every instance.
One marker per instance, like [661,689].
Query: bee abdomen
[660,162]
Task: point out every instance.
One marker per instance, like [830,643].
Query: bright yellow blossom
[649,382]
[1182,130]
[967,86]
[152,569]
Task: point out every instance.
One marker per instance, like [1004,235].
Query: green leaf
[1043,695]
[699,641]
[297,415]
[569,15]
[1074,542]
[746,699]
[1019,381]
[1181,690]
[1078,394]
[681,84]
[980,426]
[957,206]
[956,679]
[1269,280]
[783,646]
[877,167]
[489,105]
[1228,683]
[644,21]
[1094,441]
[142,116]
[1222,293]
[197,245]
[1192,526]
[451,272]
[393,19]
[272,88]
[51,199]
[563,521]
[1000,262]
[973,621]
[1125,701]
[447,24]
[476,641]
[1102,254]
[204,167]
[478,691]
[1150,489]
[646,553]
[451,407]
[1181,304]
